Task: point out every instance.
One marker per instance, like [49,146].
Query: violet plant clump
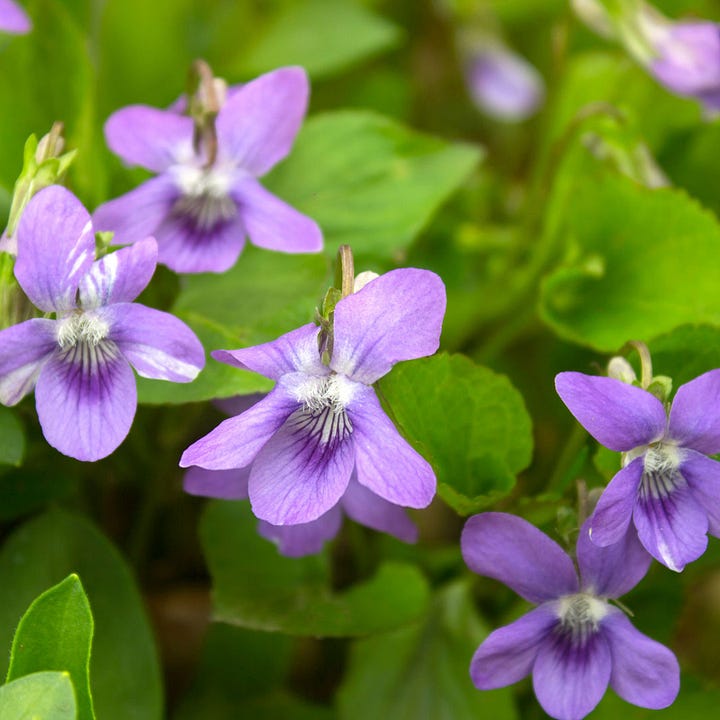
[80,362]
[206,197]
[575,642]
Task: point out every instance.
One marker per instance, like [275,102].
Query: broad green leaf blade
[124,672]
[350,33]
[257,588]
[686,352]
[369,182]
[470,424]
[639,263]
[56,634]
[691,704]
[12,438]
[265,295]
[422,671]
[40,696]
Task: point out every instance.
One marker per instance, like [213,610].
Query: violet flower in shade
[358,503]
[668,486]
[502,84]
[80,362]
[200,214]
[322,422]
[13,19]
[575,643]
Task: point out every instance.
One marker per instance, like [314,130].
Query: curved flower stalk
[13,19]
[502,84]
[80,362]
[206,197]
[322,422]
[575,643]
[668,486]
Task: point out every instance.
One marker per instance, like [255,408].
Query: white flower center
[81,328]
[327,391]
[580,614]
[204,193]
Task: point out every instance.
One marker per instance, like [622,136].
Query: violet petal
[13,19]
[306,538]
[695,414]
[397,316]
[703,476]
[509,549]
[223,484]
[617,415]
[644,672]
[56,248]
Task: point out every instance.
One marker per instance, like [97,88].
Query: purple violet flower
[358,503]
[79,362]
[13,19]
[200,214]
[322,422]
[688,59]
[574,642]
[502,84]
[668,486]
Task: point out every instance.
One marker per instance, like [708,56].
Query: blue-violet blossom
[668,486]
[80,362]
[199,211]
[13,19]
[322,423]
[358,503]
[574,642]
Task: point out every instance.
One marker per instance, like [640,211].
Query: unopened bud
[363,278]
[620,369]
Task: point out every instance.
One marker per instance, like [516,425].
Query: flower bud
[620,369]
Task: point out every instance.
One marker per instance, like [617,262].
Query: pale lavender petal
[503,84]
[86,400]
[119,276]
[671,525]
[617,415]
[56,247]
[304,469]
[703,477]
[508,654]
[137,214]
[688,61]
[614,570]
[157,344]
[148,137]
[614,509]
[273,224]
[13,19]
[238,403]
[186,247]
[296,351]
[235,442]
[306,538]
[397,316]
[369,509]
[257,125]
[570,677]
[511,550]
[695,414]
[644,672]
[24,349]
[385,462]
[223,484]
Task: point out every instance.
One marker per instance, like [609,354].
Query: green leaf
[124,672]
[468,422]
[422,671]
[690,705]
[12,438]
[41,696]
[56,634]
[622,278]
[257,588]
[350,33]
[369,182]
[263,296]
[686,352]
